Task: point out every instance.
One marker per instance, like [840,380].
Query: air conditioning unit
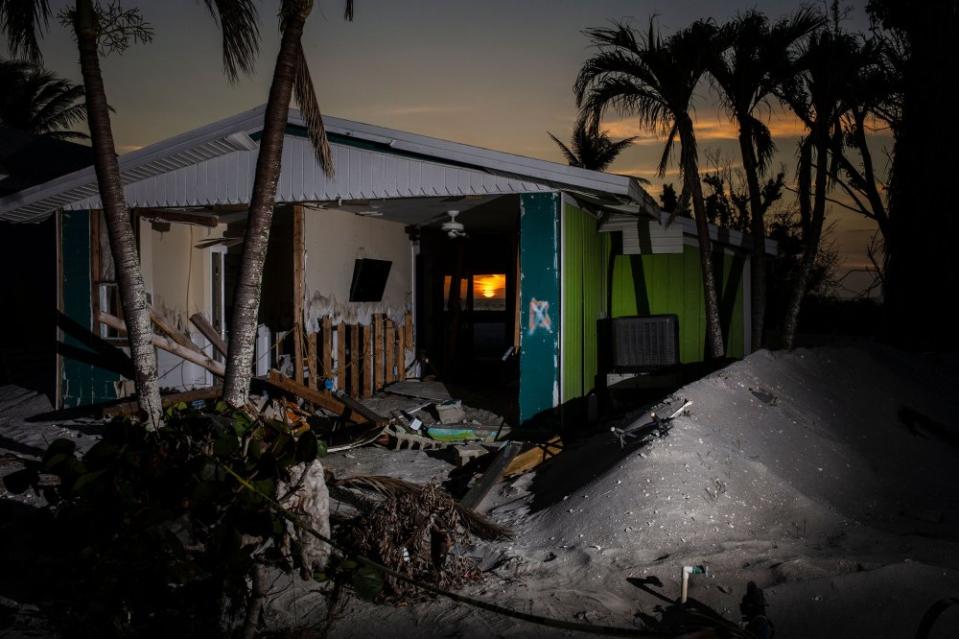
[639,344]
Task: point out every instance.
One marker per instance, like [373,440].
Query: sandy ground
[792,470]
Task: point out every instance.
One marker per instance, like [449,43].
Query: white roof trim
[233,134]
[727,237]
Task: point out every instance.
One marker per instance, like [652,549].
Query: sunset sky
[496,74]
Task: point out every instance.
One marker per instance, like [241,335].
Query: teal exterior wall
[539,304]
[81,382]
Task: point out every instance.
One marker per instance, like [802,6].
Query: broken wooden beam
[476,495]
[167,328]
[359,408]
[170,346]
[206,329]
[323,399]
[341,356]
[311,360]
[532,458]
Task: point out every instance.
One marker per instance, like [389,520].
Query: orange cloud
[782,125]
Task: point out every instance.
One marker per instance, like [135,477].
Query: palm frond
[23,22]
[310,110]
[389,487]
[240,29]
[763,142]
[570,156]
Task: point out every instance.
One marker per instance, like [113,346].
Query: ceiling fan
[452,228]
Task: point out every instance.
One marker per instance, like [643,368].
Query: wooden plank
[341,356]
[367,362]
[327,347]
[355,359]
[476,495]
[206,328]
[131,408]
[378,355]
[169,345]
[401,354]
[168,329]
[532,458]
[359,408]
[323,399]
[408,329]
[390,336]
[311,360]
[298,293]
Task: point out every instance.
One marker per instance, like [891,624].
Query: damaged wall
[333,240]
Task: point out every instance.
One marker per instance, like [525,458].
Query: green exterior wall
[82,383]
[539,287]
[584,295]
[672,283]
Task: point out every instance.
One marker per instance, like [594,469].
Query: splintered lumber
[298,352]
[170,346]
[323,399]
[327,348]
[206,329]
[367,361]
[171,331]
[311,360]
[390,351]
[359,408]
[298,293]
[378,359]
[341,356]
[186,217]
[532,458]
[354,359]
[131,408]
[476,495]
[401,354]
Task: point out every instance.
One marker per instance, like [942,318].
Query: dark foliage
[154,537]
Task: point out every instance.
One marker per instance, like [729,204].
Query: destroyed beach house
[419,256]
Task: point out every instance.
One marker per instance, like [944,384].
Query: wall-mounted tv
[369,279]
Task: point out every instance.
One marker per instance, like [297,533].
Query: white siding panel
[359,174]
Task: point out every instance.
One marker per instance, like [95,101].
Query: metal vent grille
[643,343]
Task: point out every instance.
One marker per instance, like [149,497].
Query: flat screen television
[369,279]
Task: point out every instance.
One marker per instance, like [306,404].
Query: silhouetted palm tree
[654,79]
[22,21]
[747,74]
[38,102]
[830,61]
[291,76]
[591,148]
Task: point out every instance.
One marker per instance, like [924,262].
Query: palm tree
[829,62]
[290,76]
[747,75]
[654,79]
[591,148]
[21,21]
[38,102]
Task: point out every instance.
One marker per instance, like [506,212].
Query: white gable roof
[214,164]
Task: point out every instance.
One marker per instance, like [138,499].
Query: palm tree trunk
[133,296]
[812,234]
[714,332]
[246,301]
[758,229]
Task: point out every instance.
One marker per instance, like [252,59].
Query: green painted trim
[539,290]
[82,383]
[584,299]
[672,283]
